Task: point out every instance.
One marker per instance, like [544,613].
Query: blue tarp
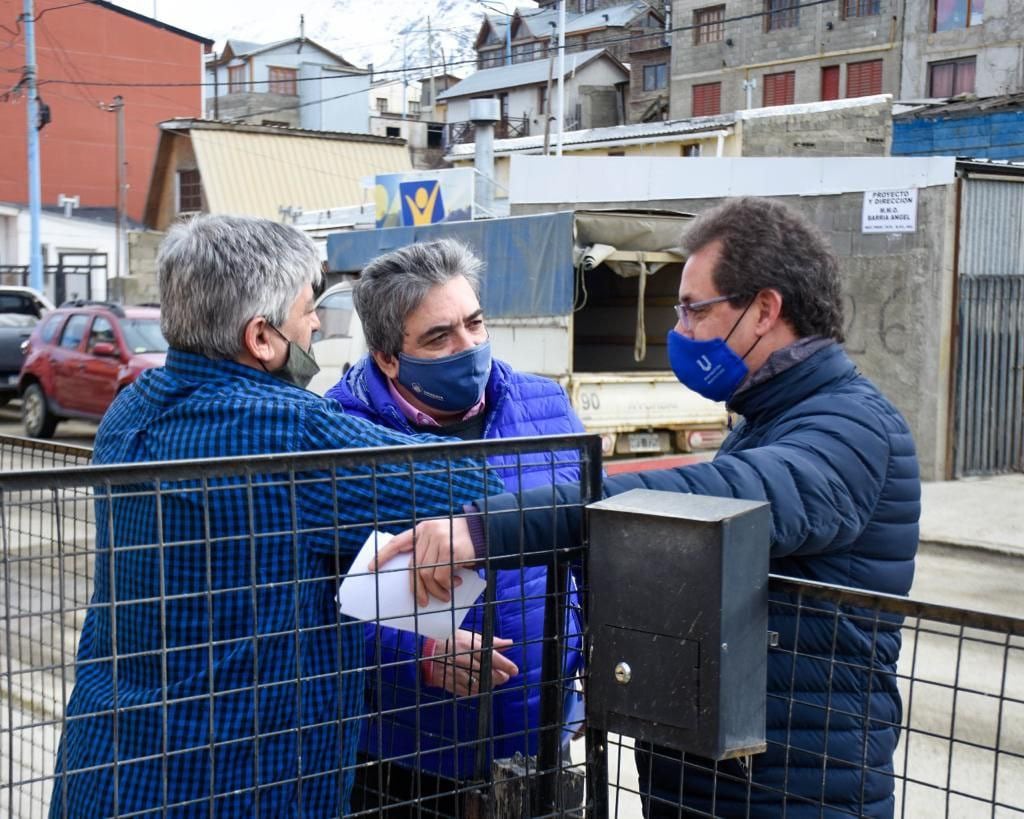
[528,259]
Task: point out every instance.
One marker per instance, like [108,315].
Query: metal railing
[960,673]
[214,672]
[66,280]
[458,133]
[960,751]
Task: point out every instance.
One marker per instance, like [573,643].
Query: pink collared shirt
[421,418]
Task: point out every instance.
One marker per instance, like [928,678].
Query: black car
[20,311]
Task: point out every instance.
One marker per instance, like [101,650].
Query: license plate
[12,379]
[644,442]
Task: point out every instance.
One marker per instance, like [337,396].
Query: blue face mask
[449,384]
[709,368]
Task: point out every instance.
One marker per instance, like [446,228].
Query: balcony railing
[460,133]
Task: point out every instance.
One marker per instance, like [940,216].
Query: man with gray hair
[214,673]
[430,370]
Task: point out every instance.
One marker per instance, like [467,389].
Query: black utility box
[679,617]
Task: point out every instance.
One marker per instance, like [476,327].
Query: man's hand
[455,665]
[441,546]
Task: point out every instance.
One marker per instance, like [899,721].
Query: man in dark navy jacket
[760,327]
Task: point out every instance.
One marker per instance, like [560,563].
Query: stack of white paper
[365,595]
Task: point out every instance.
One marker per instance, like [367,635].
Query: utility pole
[35,276]
[430,59]
[561,75]
[547,95]
[117,106]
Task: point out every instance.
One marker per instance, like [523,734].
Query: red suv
[80,356]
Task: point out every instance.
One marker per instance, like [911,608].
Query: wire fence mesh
[959,690]
[217,677]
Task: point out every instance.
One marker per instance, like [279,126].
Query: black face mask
[300,366]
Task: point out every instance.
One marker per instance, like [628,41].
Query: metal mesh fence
[959,730]
[216,676]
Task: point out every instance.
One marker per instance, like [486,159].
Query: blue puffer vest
[429,720]
[837,462]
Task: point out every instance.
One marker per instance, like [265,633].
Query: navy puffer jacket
[837,462]
[517,405]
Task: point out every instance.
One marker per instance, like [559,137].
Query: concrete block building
[955,47]
[725,58]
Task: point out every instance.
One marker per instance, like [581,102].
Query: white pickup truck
[583,297]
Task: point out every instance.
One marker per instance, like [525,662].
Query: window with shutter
[864,79]
[830,82]
[779,88]
[707,99]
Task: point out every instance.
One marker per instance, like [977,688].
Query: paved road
[79,433]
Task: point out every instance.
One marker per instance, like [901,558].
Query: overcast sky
[357,29]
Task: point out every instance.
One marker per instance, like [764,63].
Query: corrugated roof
[538,22]
[255,173]
[608,134]
[517,74]
[242,47]
[968,106]
[617,17]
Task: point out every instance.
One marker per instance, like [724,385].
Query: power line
[16,32]
[64,59]
[471,61]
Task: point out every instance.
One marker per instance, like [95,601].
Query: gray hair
[393,285]
[767,245]
[216,273]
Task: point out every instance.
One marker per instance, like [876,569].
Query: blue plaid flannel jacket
[214,675]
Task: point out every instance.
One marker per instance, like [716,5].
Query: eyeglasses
[686,312]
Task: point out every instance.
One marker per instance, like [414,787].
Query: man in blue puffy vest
[760,327]
[430,370]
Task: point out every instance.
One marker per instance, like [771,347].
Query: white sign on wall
[889,212]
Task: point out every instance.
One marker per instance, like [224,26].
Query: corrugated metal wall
[989,409]
[992,237]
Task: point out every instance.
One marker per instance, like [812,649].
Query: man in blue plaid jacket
[214,674]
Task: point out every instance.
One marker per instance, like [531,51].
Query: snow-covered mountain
[386,33]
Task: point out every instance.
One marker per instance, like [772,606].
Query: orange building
[87,53]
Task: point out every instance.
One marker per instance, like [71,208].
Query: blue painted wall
[999,135]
